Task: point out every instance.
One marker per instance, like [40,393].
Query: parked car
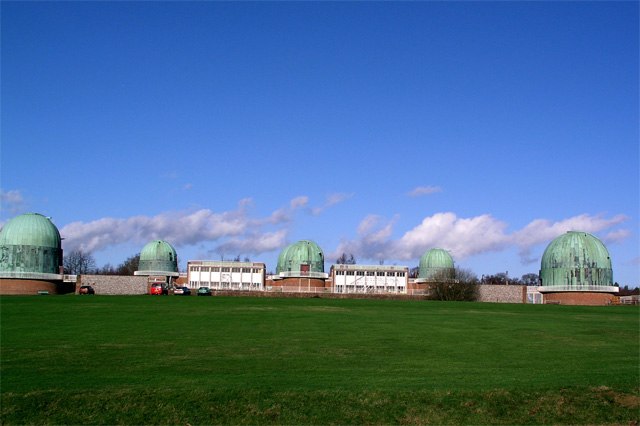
[156,289]
[182,291]
[86,289]
[204,291]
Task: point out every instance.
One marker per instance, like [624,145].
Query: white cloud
[12,201]
[424,190]
[463,237]
[299,202]
[254,244]
[330,201]
[231,230]
[543,231]
[466,237]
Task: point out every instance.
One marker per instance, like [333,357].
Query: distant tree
[346,260]
[530,279]
[79,262]
[107,269]
[414,272]
[129,266]
[501,278]
[463,288]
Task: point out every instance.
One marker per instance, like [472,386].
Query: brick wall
[26,287]
[502,293]
[579,298]
[114,284]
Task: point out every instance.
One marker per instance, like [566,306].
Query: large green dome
[300,258]
[576,261]
[30,244]
[436,264]
[158,258]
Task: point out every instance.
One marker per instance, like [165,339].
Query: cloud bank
[466,237]
[232,231]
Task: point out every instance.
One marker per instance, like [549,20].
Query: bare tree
[464,287]
[79,262]
[129,266]
[346,260]
[107,269]
[530,279]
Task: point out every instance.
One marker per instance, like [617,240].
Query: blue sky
[380,129]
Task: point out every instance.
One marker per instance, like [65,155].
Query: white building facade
[223,275]
[369,279]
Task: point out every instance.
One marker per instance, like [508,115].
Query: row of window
[223,285]
[363,289]
[372,273]
[224,269]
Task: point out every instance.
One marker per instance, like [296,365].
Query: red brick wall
[26,287]
[579,298]
[304,284]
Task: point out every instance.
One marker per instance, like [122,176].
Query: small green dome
[303,256]
[436,264]
[30,243]
[576,259]
[158,256]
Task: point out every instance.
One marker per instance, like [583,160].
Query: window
[225,269]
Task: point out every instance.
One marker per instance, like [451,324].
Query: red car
[156,289]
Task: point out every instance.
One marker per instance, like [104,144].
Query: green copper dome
[301,257]
[158,257]
[436,264]
[30,244]
[576,260]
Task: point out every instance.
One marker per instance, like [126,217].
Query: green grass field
[197,360]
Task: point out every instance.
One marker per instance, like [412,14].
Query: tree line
[78,262]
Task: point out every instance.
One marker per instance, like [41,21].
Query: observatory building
[31,256]
[436,264]
[576,269]
[158,261]
[300,265]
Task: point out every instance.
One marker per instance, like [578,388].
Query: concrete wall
[115,284]
[502,293]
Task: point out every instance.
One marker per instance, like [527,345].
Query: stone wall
[502,293]
[115,284]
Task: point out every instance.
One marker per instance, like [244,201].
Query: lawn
[214,360]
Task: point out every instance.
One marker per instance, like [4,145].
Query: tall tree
[79,262]
[129,266]
[345,259]
[530,279]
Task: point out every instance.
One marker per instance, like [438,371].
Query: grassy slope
[197,360]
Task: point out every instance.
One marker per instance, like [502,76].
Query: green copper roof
[158,256]
[576,259]
[436,263]
[30,244]
[30,229]
[300,256]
